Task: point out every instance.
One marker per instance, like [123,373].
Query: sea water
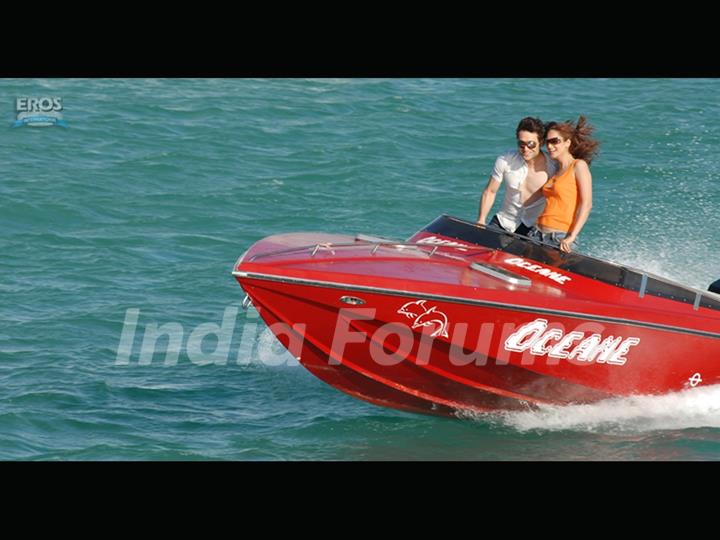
[123,225]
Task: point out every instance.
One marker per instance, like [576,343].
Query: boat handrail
[374,246]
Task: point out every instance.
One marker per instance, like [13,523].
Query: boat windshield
[606,272]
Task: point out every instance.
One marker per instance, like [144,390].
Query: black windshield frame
[584,265]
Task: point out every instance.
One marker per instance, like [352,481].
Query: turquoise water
[140,207]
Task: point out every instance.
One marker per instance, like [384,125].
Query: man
[525,171]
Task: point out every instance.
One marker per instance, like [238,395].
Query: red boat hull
[442,339]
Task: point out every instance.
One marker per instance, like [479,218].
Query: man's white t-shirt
[512,168]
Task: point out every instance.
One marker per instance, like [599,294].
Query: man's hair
[533,125]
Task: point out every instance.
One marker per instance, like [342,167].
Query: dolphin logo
[426,317]
[412,310]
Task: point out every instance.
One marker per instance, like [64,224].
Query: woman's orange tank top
[561,195]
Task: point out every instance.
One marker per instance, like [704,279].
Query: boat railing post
[643,285]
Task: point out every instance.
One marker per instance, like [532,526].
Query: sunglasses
[530,144]
[554,141]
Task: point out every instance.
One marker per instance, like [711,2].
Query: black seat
[715,287]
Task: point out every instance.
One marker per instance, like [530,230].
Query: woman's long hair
[582,145]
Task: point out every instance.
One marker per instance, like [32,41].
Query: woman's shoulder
[581,166]
[581,163]
[582,170]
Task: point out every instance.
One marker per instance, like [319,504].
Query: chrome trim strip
[485,303]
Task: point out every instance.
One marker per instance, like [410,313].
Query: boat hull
[453,344]
[372,353]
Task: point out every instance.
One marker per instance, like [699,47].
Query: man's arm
[487,200]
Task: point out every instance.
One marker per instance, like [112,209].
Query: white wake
[692,408]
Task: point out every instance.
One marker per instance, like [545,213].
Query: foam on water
[691,266]
[692,408]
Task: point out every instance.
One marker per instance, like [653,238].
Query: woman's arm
[584,184]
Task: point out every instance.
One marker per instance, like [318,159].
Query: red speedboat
[462,317]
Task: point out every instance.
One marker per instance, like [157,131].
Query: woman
[568,193]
